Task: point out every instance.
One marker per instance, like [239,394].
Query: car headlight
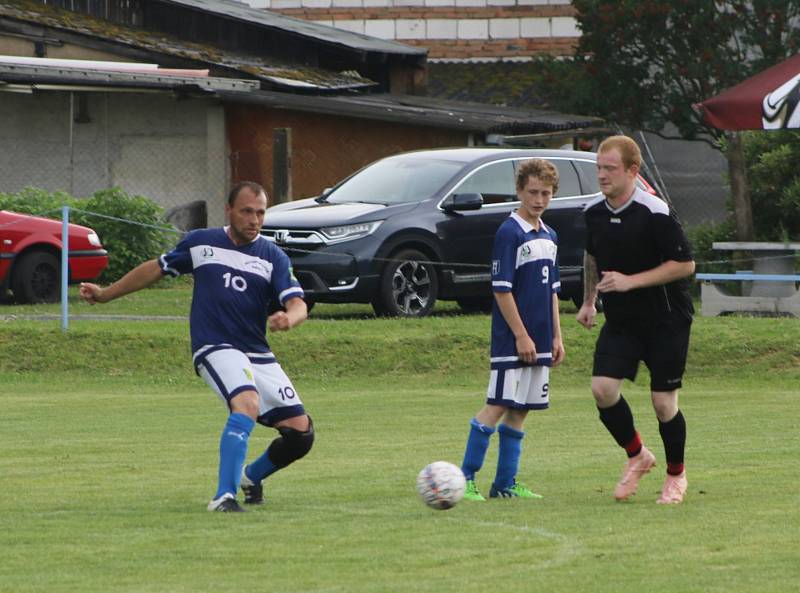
[346,232]
[94,240]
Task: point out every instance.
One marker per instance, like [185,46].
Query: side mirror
[461,202]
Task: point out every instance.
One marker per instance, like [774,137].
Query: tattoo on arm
[590,278]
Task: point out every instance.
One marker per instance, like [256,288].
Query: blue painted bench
[750,277]
[762,298]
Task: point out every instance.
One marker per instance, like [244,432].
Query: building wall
[449,29]
[325,148]
[151,144]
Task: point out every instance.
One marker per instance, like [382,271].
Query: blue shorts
[229,372]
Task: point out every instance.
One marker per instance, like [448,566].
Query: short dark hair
[539,168]
[254,187]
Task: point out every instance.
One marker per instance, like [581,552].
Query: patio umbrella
[769,100]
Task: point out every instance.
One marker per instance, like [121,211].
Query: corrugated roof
[423,111]
[269,70]
[243,12]
[37,75]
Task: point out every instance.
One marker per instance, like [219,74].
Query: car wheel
[408,286]
[476,304]
[37,278]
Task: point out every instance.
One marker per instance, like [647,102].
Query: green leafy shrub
[702,236]
[774,180]
[127,244]
[36,201]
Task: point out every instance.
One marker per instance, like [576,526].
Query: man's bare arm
[590,278]
[139,277]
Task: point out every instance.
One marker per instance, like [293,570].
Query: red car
[30,256]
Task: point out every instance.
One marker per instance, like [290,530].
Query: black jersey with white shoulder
[638,236]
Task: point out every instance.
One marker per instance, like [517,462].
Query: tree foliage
[774,180]
[644,63]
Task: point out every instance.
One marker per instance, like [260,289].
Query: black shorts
[662,346]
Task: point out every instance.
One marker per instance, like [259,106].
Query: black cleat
[225,504]
[253,493]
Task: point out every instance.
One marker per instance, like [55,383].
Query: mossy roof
[168,48]
[508,84]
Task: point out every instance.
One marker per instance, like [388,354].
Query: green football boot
[516,490]
[472,493]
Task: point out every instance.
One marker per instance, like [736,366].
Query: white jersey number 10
[235,282]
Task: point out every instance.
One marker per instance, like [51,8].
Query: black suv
[416,227]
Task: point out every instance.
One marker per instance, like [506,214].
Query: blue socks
[261,468]
[508,456]
[232,452]
[477,444]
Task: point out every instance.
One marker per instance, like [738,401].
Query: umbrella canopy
[769,100]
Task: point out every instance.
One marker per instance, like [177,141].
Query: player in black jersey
[638,259]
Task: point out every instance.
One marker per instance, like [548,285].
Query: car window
[568,184]
[588,172]
[394,181]
[495,182]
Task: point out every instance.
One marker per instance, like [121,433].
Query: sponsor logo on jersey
[495,267]
[535,250]
[232,259]
[259,266]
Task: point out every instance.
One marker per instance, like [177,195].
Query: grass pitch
[108,452]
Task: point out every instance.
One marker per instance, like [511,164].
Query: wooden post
[281,165]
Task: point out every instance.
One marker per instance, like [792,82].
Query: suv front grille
[305,239]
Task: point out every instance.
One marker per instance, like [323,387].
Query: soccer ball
[441,485]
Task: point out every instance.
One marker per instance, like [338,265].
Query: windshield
[395,181]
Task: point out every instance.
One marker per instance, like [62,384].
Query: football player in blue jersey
[238,276]
[526,332]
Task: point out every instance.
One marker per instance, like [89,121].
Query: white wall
[152,144]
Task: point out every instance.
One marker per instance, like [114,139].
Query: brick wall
[449,29]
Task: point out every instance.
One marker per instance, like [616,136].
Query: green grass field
[108,452]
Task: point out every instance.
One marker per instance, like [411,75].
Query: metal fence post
[64,266]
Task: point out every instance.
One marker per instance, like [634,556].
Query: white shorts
[524,388]
[229,372]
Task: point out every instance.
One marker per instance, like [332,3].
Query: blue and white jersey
[524,263]
[233,287]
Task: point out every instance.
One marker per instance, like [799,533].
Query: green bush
[702,236]
[774,181]
[36,201]
[127,244]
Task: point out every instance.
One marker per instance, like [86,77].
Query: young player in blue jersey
[238,275]
[526,332]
